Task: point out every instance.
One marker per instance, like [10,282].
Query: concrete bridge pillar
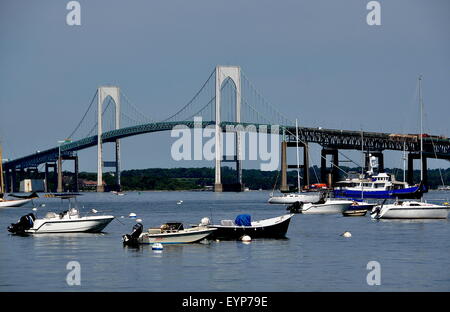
[103,93]
[334,168]
[60,188]
[222,74]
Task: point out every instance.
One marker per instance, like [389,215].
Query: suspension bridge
[227,98]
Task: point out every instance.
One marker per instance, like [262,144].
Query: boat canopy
[243,220]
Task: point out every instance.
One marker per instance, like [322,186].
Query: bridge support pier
[330,178]
[222,74]
[410,173]
[59,188]
[103,93]
[55,177]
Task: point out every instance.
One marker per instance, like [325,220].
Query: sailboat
[6,203]
[412,209]
[302,197]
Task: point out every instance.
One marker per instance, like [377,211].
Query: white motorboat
[410,210]
[69,221]
[168,233]
[328,206]
[302,197]
[14,202]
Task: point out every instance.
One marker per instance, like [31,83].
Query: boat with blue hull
[379,186]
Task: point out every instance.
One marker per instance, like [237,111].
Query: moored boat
[4,203]
[69,221]
[167,233]
[410,210]
[267,228]
[328,206]
[357,209]
[290,198]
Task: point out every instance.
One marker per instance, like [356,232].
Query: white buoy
[346,234]
[246,239]
[132,215]
[138,220]
[179,202]
[34,209]
[157,246]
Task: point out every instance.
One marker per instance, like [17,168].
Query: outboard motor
[132,238]
[295,207]
[25,222]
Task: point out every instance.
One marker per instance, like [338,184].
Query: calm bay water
[414,255]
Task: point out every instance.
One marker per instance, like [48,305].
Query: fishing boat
[68,221]
[242,225]
[167,233]
[410,210]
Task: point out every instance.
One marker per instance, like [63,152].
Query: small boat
[69,221]
[410,210]
[20,201]
[13,202]
[328,206]
[242,225]
[168,233]
[303,197]
[357,209]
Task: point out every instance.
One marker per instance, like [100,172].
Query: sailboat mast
[1,171]
[298,159]
[421,127]
[404,162]
[362,164]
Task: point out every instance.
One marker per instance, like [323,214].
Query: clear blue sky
[314,59]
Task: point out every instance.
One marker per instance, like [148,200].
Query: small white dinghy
[410,210]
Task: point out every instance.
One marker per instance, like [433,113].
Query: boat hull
[14,202]
[84,224]
[398,212]
[326,208]
[175,238]
[232,232]
[293,198]
[410,192]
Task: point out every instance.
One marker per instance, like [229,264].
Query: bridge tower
[223,73]
[103,93]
